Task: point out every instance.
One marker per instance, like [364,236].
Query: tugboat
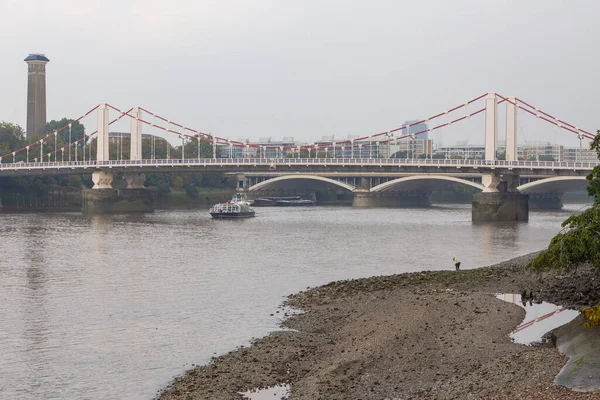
[237,207]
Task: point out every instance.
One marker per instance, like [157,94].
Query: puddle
[279,392]
[539,319]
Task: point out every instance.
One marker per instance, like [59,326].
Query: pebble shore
[426,335]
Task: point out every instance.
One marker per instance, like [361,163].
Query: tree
[12,137]
[77,130]
[579,240]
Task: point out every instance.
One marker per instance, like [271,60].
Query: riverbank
[430,335]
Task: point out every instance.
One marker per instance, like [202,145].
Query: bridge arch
[269,182]
[555,184]
[413,182]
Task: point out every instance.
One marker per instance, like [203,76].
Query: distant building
[264,147]
[416,129]
[576,154]
[463,150]
[412,148]
[36,94]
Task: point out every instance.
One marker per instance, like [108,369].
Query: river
[107,307]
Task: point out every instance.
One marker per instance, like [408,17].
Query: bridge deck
[354,165]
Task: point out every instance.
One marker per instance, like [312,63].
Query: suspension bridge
[355,164]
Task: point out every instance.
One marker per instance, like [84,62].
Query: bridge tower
[491,126]
[103,197]
[511,129]
[500,200]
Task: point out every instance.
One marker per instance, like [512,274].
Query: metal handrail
[300,161]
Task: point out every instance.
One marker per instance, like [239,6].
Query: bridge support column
[102,198]
[102,179]
[135,180]
[242,183]
[511,129]
[491,126]
[545,201]
[102,141]
[364,198]
[135,143]
[500,200]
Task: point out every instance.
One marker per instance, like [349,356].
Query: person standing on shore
[456,263]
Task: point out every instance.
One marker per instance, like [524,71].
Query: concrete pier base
[545,201]
[391,199]
[104,201]
[498,206]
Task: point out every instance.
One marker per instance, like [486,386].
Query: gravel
[426,335]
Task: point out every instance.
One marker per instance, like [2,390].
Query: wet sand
[431,335]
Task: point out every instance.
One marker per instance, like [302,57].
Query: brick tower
[36,94]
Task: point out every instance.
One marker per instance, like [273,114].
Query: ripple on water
[114,306]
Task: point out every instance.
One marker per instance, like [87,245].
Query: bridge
[353,164]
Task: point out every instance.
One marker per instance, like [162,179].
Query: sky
[306,68]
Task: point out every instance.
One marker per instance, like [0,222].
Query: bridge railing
[300,161]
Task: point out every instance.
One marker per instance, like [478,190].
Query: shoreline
[425,335]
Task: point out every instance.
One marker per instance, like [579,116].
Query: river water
[107,307]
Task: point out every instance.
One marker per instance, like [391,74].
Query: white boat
[237,207]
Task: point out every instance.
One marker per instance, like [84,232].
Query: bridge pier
[104,199]
[545,201]
[500,200]
[364,198]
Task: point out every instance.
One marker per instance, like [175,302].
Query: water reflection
[505,234]
[36,332]
[539,318]
[274,392]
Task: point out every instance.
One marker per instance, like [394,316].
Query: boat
[293,203]
[237,207]
[264,202]
[282,201]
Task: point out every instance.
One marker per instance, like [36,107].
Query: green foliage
[75,181]
[177,183]
[163,189]
[592,314]
[192,191]
[12,137]
[594,177]
[77,131]
[579,240]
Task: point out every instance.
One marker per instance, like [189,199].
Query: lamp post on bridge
[182,147]
[55,146]
[198,136]
[69,142]
[389,135]
[580,136]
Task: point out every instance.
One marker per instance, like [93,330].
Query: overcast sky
[274,68]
